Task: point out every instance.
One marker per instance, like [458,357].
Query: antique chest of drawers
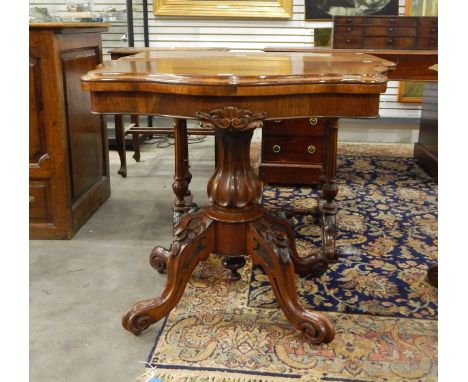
[385,32]
[292,158]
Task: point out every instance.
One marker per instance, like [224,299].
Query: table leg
[136,138]
[433,275]
[120,144]
[193,242]
[273,251]
[182,175]
[233,225]
[329,190]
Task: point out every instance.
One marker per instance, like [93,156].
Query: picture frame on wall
[253,9]
[326,9]
[412,91]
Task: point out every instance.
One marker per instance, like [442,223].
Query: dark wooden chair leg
[136,138]
[194,240]
[120,144]
[272,250]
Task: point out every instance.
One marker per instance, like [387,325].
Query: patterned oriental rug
[377,295]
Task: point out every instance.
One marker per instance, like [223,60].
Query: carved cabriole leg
[194,239]
[120,144]
[329,190]
[272,250]
[315,264]
[136,138]
[181,176]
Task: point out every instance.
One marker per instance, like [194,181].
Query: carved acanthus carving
[187,230]
[231,118]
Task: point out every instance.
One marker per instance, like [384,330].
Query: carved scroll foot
[432,275]
[193,241]
[315,264]
[234,263]
[272,250]
[158,259]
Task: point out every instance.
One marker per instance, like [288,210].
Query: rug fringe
[174,375]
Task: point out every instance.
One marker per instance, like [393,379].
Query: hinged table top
[240,69]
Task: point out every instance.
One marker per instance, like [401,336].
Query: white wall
[244,34]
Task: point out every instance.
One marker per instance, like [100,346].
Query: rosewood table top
[233,93]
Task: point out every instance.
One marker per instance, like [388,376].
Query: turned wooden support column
[329,190]
[182,175]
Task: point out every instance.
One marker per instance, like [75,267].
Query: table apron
[276,107]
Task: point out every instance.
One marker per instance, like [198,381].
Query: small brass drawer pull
[32,199]
[276,149]
[313,121]
[278,120]
[311,149]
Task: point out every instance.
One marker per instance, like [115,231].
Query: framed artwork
[326,9]
[412,91]
[270,9]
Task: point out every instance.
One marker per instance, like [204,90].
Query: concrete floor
[80,288]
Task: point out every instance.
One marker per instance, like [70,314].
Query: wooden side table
[234,93]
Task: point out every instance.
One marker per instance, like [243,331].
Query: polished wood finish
[68,155]
[426,149]
[134,129]
[234,93]
[292,159]
[410,65]
[385,32]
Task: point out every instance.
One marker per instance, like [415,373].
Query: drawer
[427,31]
[427,43]
[392,21]
[348,20]
[292,149]
[428,21]
[39,201]
[348,30]
[299,173]
[344,42]
[301,126]
[390,31]
[389,42]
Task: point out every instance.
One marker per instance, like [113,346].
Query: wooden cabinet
[426,149]
[385,32]
[292,151]
[68,153]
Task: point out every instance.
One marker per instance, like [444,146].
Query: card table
[233,93]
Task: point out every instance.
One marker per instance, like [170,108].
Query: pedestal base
[268,241]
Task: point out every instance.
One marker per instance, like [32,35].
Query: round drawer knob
[278,121]
[390,41]
[391,30]
[348,40]
[313,121]
[311,149]
[276,149]
[349,29]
